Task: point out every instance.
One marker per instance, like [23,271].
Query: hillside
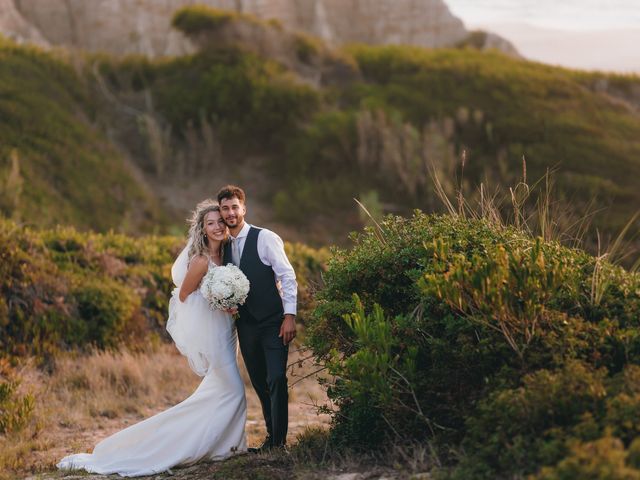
[394,113]
[56,164]
[308,127]
[500,110]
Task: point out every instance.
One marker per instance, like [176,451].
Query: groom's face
[233,211]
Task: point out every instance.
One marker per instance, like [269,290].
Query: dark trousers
[266,360]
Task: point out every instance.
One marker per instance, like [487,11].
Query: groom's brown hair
[231,191]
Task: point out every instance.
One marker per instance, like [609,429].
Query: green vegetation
[418,110]
[307,46]
[309,264]
[476,39]
[63,289]
[197,19]
[250,102]
[55,167]
[521,353]
[398,115]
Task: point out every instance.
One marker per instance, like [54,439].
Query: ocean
[578,15]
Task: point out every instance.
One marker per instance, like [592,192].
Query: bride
[210,423]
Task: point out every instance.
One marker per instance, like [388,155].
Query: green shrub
[476,39]
[312,446]
[306,47]
[63,288]
[377,380]
[519,429]
[193,20]
[33,311]
[507,287]
[106,308]
[602,459]
[477,339]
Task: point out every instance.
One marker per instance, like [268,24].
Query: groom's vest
[264,300]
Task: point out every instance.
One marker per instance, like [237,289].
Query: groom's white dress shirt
[271,252]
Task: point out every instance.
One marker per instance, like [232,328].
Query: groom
[266,323]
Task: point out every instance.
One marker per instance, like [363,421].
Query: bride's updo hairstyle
[197,236]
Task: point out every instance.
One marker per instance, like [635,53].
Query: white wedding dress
[207,425]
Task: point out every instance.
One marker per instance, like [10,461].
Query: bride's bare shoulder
[199,262]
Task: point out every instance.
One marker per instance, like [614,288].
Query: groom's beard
[233,222]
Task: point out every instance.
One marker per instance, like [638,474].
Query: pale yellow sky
[587,34]
[612,50]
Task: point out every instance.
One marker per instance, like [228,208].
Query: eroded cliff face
[144,26]
[427,23]
[16,27]
[115,26]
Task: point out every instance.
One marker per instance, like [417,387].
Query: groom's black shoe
[266,445]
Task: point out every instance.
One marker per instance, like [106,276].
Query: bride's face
[214,226]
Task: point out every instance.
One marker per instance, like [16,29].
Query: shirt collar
[243,233]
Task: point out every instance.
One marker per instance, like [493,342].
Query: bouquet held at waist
[225,287]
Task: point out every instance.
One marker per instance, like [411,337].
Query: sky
[576,15]
[586,34]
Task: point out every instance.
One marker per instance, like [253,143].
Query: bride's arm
[197,269]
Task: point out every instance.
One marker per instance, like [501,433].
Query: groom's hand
[288,329]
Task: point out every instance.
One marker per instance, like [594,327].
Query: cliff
[144,26]
[16,27]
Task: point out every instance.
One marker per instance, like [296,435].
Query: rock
[427,23]
[144,26]
[115,26]
[493,41]
[14,25]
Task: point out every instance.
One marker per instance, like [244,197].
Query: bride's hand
[232,311]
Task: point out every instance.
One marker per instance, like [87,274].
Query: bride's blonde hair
[197,236]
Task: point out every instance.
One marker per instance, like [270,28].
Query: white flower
[224,287]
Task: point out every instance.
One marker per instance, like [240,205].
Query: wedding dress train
[207,425]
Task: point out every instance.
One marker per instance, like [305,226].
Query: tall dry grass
[533,209]
[85,398]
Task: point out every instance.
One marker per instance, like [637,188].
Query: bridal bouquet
[225,287]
